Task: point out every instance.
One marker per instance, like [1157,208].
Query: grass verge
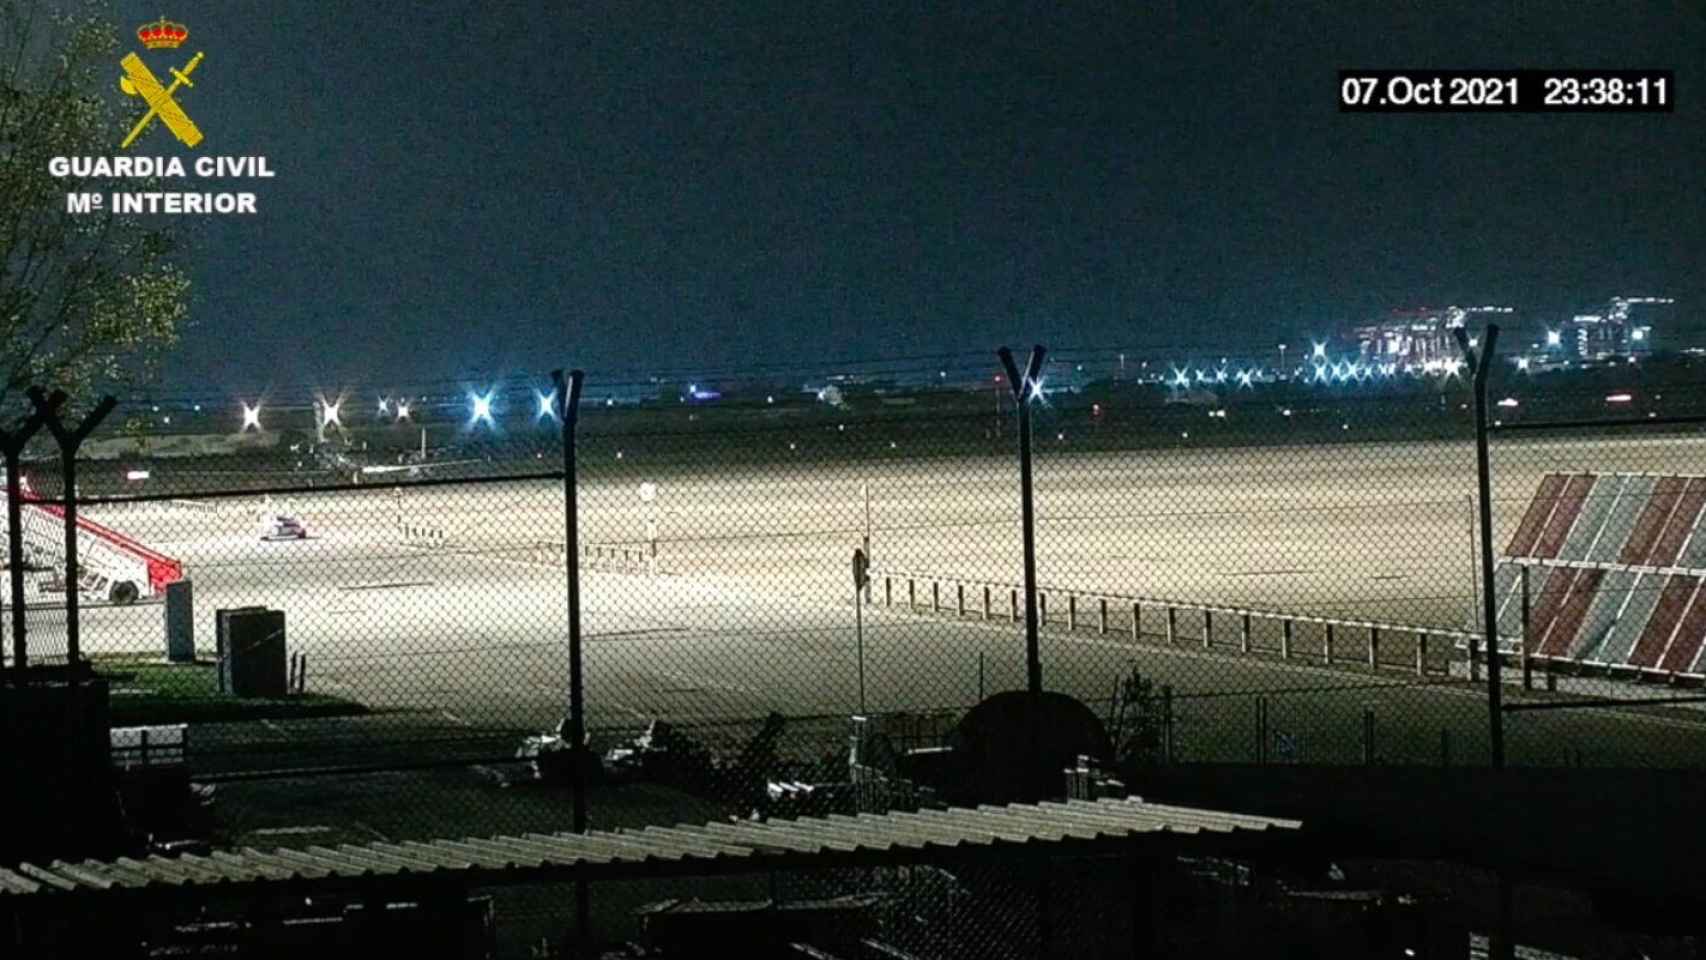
[147,691]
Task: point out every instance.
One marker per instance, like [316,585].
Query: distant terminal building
[1624,328]
[1417,339]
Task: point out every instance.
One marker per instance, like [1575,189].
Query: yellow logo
[139,81]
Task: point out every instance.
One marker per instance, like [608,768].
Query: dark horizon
[624,187]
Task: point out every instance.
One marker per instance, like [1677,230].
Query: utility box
[180,623]
[251,652]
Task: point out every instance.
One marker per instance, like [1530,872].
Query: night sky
[468,187]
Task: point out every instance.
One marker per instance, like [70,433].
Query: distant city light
[197,408]
[1508,402]
[1181,378]
[1286,412]
[167,420]
[1320,350]
[136,475]
[384,407]
[1522,363]
[548,404]
[769,399]
[1638,334]
[329,413]
[1037,389]
[1554,338]
[402,410]
[1244,378]
[1619,398]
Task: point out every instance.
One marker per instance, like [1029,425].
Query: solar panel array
[1616,562]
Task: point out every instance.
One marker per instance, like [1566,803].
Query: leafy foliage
[89,301]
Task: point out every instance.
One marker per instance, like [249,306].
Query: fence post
[935,596]
[1527,665]
[1021,385]
[1261,730]
[1102,615]
[1136,621]
[1207,629]
[1167,723]
[1367,736]
[1374,648]
[69,439]
[911,595]
[1285,639]
[1481,365]
[888,591]
[12,446]
[569,392]
[1172,624]
[1244,634]
[986,602]
[960,599]
[1013,603]
[1042,609]
[1327,646]
[1421,654]
[1072,611]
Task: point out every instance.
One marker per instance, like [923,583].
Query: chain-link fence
[1280,571]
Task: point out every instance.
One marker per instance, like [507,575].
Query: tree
[88,302]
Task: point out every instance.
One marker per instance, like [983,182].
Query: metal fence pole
[69,440]
[1482,365]
[1527,664]
[1022,387]
[12,446]
[569,394]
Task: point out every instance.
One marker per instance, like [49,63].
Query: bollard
[1172,624]
[1102,615]
[1421,654]
[1244,634]
[1373,648]
[1072,611]
[960,599]
[935,597]
[1285,640]
[1327,646]
[986,603]
[1136,622]
[1207,629]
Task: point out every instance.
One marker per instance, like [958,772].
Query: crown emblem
[162,34]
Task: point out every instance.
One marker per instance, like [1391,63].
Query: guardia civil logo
[139,81]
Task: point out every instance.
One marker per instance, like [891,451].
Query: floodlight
[482,407]
[251,416]
[329,413]
[547,404]
[384,406]
[402,410]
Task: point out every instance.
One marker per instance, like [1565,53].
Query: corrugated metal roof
[778,843]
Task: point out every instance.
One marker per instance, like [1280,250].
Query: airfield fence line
[1315,599]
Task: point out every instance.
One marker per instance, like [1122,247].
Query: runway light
[167,420]
[841,428]
[1037,389]
[1060,436]
[402,410]
[482,406]
[384,406]
[1619,398]
[1522,364]
[1286,412]
[769,399]
[792,447]
[329,413]
[893,445]
[251,417]
[618,454]
[1184,435]
[198,408]
[547,404]
[1181,378]
[1508,402]
[136,475]
[1319,350]
[610,401]
[1244,378]
[1554,338]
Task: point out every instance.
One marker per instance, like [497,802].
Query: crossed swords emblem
[138,81]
